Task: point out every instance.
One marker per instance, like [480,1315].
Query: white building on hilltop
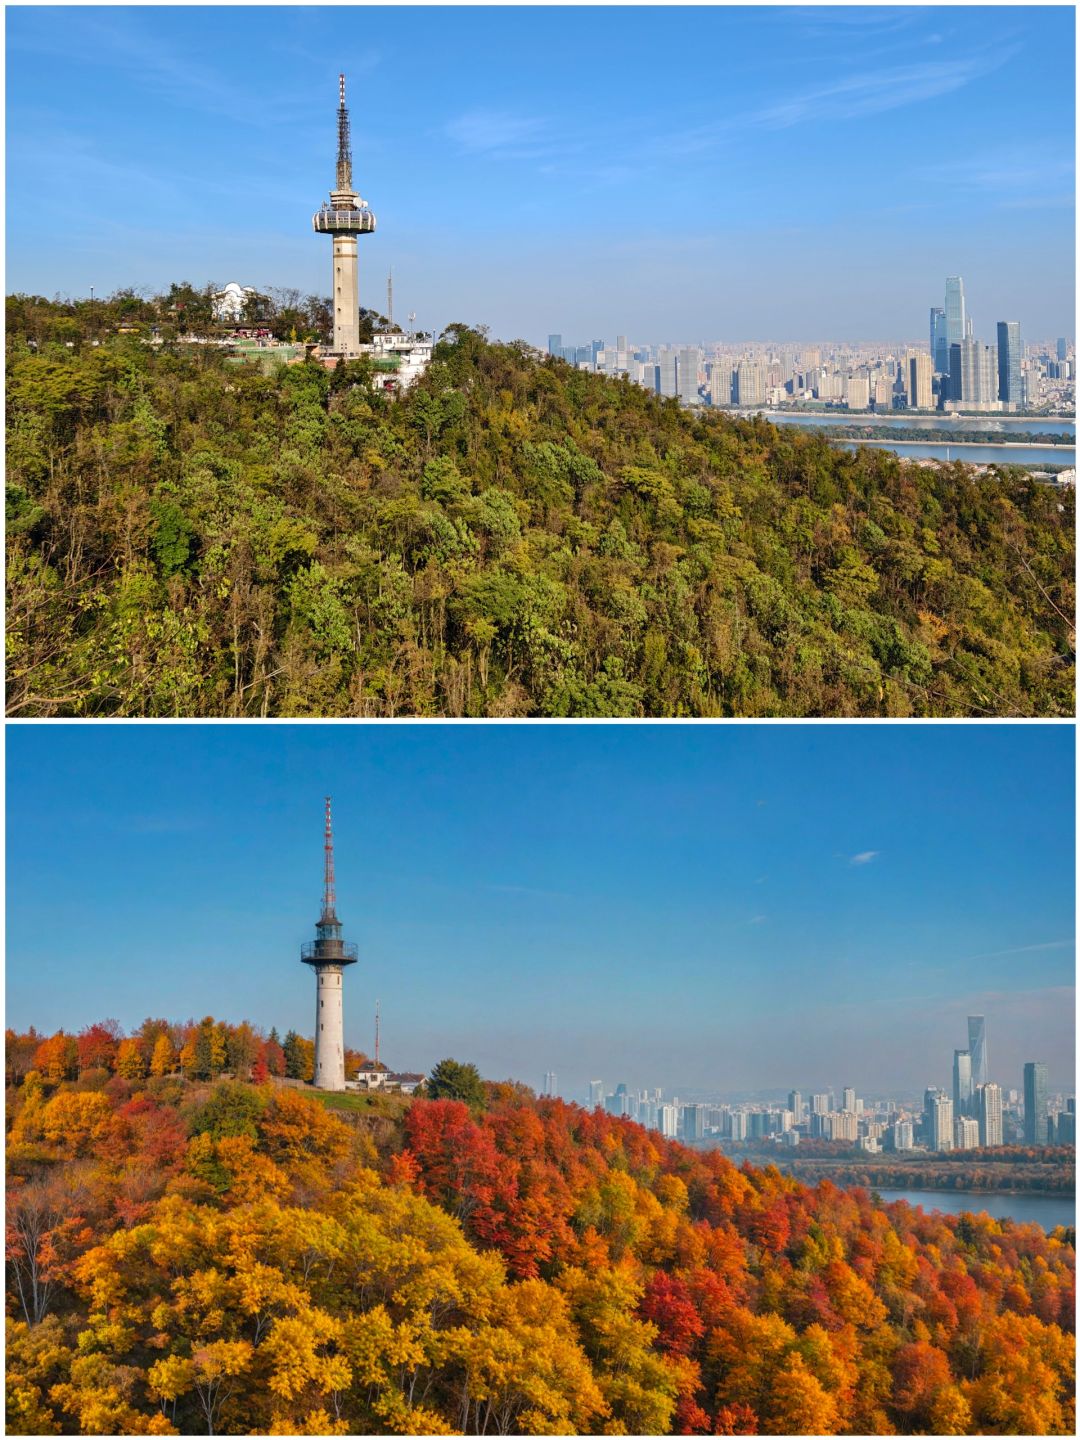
[228,304]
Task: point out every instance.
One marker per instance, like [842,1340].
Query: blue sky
[668,173]
[728,907]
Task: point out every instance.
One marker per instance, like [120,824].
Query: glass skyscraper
[1008,354]
[961,1082]
[956,327]
[939,342]
[1034,1103]
[978,1037]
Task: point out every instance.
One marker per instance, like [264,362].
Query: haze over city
[683,173]
[730,909]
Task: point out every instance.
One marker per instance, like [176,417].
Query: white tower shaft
[329,1029]
[346,296]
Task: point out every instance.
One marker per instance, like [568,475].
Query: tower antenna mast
[329,904]
[376,1034]
[390,298]
[344,146]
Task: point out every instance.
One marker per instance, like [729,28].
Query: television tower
[345,217]
[328,954]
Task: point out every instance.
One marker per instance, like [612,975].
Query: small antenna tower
[376,1032]
[390,298]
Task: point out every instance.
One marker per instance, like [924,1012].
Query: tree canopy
[192,536]
[190,1256]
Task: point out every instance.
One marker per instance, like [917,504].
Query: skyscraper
[965,1133]
[720,377]
[961,1082]
[920,380]
[328,954]
[973,374]
[955,327]
[554,344]
[750,383]
[939,343]
[795,1105]
[978,1038]
[1034,1103]
[346,217]
[1062,348]
[955,310]
[849,1099]
[991,1131]
[668,374]
[941,1123]
[689,363]
[596,1094]
[1009,377]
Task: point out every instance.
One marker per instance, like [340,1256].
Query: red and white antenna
[329,898]
[376,1033]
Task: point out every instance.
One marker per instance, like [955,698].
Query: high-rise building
[596,1094]
[1034,1103]
[689,364]
[1009,375]
[1062,348]
[979,1043]
[819,1104]
[795,1105]
[961,1082]
[346,217]
[750,383]
[973,374]
[991,1131]
[555,346]
[738,1125]
[668,1121]
[939,344]
[920,381]
[848,1102]
[965,1133]
[941,1123]
[328,955]
[720,377]
[901,1136]
[669,383]
[858,392]
[843,1126]
[550,1086]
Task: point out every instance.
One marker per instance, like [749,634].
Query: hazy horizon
[811,172]
[732,907]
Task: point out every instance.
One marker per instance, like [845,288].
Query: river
[1041,1208]
[998,424]
[1032,457]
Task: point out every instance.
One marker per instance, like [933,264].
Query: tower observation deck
[346,216]
[328,954]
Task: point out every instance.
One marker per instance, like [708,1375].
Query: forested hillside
[190,537]
[213,1256]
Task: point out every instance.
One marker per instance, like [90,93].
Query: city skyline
[533,197]
[738,907]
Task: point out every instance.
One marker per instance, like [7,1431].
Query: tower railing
[329,952]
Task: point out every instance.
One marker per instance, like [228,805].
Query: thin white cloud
[864,857]
[488,131]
